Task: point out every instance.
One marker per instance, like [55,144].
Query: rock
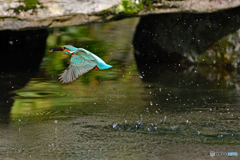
[192,6]
[35,14]
[18,15]
[195,38]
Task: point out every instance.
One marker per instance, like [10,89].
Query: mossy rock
[224,52]
[130,7]
[29,4]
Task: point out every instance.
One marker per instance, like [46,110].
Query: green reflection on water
[43,97]
[103,40]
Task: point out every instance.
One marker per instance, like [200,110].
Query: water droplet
[165,117]
[115,125]
[174,127]
[151,103]
[10,42]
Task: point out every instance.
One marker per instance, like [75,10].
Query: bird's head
[68,49]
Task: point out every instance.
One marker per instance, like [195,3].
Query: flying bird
[82,61]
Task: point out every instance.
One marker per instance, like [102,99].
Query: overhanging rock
[19,15]
[37,14]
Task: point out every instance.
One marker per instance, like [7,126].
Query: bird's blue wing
[78,66]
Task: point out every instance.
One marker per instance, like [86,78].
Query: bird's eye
[64,47]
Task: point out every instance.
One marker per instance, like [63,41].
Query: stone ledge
[20,15]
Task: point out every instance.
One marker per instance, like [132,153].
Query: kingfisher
[81,62]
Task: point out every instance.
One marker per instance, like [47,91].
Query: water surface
[126,112]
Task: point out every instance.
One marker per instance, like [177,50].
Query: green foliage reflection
[109,41]
[76,36]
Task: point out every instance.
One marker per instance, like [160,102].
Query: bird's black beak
[56,49]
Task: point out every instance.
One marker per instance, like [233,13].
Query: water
[126,112]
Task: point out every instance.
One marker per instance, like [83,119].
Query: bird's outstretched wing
[85,54]
[78,66]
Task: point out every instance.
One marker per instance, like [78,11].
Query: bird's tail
[104,66]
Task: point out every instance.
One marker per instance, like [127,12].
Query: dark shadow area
[22,50]
[177,88]
[21,55]
[178,76]
[181,37]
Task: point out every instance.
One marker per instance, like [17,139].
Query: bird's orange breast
[67,50]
